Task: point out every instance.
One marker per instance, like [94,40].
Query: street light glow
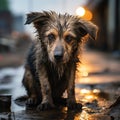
[84,13]
[80,11]
[88,15]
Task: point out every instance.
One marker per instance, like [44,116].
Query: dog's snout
[58,56]
[58,53]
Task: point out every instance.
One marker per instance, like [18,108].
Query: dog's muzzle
[58,53]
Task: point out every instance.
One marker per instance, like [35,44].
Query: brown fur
[51,63]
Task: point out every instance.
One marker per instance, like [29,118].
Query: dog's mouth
[60,61]
[58,58]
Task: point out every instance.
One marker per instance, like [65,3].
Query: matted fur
[52,60]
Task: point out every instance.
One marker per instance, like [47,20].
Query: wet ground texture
[97,88]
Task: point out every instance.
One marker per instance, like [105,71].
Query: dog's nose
[58,53]
[58,57]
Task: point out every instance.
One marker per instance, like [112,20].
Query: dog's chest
[55,76]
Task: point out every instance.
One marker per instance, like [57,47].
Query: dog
[51,64]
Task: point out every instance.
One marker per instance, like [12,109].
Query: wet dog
[52,60]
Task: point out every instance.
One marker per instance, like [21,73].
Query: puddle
[10,84]
[95,97]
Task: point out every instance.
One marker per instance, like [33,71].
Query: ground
[97,88]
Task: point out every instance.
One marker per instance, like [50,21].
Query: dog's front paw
[74,106]
[45,106]
[31,102]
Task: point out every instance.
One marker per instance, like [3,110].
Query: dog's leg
[71,102]
[28,82]
[47,101]
[60,101]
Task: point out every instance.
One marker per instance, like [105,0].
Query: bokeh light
[88,15]
[80,11]
[84,13]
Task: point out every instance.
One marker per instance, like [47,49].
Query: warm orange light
[89,94]
[83,70]
[85,91]
[89,97]
[88,15]
[84,116]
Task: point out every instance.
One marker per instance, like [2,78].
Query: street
[97,88]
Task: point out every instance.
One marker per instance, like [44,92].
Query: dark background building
[107,17]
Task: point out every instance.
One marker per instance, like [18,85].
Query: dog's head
[61,34]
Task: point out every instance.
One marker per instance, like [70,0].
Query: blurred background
[15,37]
[104,13]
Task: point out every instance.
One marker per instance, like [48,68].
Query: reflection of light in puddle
[89,97]
[86,91]
[14,88]
[96,91]
[84,116]
[69,115]
[18,89]
[89,94]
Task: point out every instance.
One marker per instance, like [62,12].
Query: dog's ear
[37,17]
[32,17]
[87,27]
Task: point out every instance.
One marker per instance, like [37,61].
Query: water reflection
[84,116]
[12,86]
[94,97]
[57,114]
[87,94]
[90,94]
[10,79]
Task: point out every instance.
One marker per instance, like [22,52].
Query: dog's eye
[51,37]
[68,38]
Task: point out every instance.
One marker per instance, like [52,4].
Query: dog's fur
[51,64]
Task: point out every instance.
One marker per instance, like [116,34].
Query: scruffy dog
[52,60]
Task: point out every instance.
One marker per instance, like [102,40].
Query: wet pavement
[97,88]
